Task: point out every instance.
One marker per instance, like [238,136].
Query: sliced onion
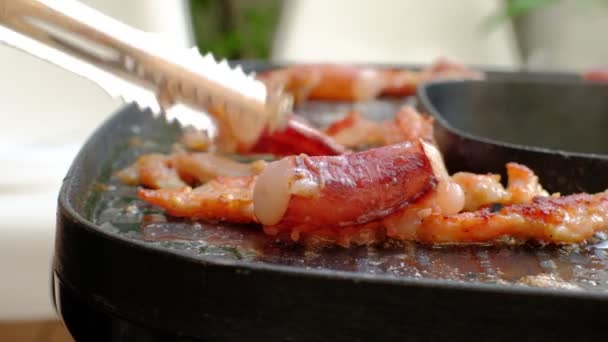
[436,160]
[271,192]
[450,196]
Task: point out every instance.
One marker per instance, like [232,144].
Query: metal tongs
[140,67]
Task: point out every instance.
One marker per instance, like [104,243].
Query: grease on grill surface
[117,210]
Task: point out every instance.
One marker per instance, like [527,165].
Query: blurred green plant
[518,8]
[514,9]
[235,29]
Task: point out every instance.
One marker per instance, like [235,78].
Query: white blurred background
[47,113]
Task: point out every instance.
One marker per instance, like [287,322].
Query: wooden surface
[34,331]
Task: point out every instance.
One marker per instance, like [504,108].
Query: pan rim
[422,94]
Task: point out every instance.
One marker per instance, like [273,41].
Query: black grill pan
[118,279]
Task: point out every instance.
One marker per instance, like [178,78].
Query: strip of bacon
[408,125]
[339,82]
[484,190]
[200,168]
[297,138]
[222,199]
[159,171]
[598,75]
[153,171]
[568,219]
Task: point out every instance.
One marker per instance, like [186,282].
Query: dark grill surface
[115,208]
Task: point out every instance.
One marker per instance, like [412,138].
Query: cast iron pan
[121,274]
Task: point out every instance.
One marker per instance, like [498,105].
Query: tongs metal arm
[170,73]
